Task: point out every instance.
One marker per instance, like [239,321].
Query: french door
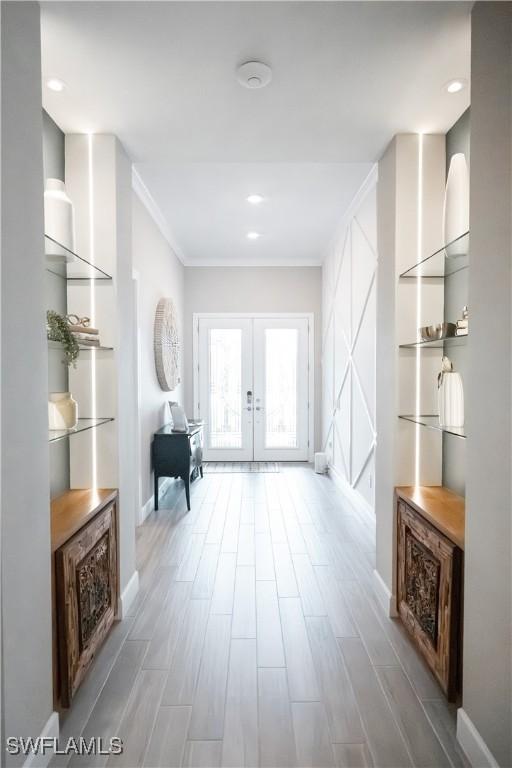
[253,388]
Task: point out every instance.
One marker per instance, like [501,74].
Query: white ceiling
[303,204]
[346,77]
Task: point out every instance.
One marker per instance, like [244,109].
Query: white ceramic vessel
[456,203]
[320,463]
[179,419]
[450,397]
[62,411]
[59,219]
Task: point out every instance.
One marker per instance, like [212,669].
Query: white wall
[348,361]
[160,274]
[487,692]
[91,182]
[26,601]
[99,181]
[253,289]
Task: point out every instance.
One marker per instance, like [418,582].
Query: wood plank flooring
[240,466]
[256,640]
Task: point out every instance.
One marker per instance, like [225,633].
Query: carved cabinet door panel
[86,591]
[428,593]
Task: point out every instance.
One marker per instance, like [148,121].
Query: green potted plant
[57,329]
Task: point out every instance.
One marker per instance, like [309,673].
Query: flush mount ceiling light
[255,199]
[454,86]
[54,84]
[254,74]
[253,235]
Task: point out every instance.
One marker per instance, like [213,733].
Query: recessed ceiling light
[254,74]
[255,199]
[54,84]
[253,235]
[454,86]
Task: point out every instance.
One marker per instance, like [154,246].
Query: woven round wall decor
[167,345]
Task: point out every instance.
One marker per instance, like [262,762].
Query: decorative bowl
[438,331]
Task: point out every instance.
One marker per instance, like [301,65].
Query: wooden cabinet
[429,579]
[86,581]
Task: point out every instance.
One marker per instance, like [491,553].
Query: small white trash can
[321,463]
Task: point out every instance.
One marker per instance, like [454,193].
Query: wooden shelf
[442,508]
[74,509]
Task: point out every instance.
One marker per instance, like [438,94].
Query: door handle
[259,408]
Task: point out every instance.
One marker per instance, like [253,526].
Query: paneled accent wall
[348,346]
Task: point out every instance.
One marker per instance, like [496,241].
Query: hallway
[256,640]
[243,240]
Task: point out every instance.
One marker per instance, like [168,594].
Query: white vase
[62,411]
[179,419]
[456,204]
[59,219]
[451,400]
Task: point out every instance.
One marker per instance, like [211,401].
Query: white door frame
[139,513]
[309,316]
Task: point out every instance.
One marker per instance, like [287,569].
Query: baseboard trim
[149,506]
[353,497]
[385,597]
[50,731]
[146,510]
[128,595]
[473,746]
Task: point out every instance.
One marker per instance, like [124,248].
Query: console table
[178,454]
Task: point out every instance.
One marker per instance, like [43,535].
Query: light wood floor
[256,640]
[241,466]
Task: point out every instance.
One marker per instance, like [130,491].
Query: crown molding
[156,214]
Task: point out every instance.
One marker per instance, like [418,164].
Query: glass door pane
[225,387]
[281,347]
[281,389]
[224,391]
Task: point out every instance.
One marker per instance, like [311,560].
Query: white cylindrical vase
[59,219]
[451,400]
[62,411]
[456,204]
